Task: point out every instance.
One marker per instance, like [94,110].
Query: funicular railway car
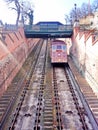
[58,51]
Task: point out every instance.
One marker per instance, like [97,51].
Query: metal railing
[8,27]
[48,28]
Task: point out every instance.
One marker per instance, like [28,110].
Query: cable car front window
[64,47]
[53,47]
[59,47]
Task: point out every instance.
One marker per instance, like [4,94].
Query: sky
[44,10]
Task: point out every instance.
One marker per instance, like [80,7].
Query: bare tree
[81,12]
[27,12]
[72,15]
[95,5]
[17,7]
[84,10]
[75,14]
[21,7]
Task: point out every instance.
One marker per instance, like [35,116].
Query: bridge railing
[10,27]
[65,27]
[47,28]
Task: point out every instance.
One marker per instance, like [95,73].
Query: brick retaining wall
[14,49]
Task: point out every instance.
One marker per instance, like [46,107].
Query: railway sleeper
[48,104]
[47,108]
[49,115]
[48,112]
[48,119]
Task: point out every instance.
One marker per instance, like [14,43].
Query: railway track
[87,94]
[9,97]
[30,105]
[52,103]
[50,99]
[72,112]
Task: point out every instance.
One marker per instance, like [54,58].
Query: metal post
[75,12]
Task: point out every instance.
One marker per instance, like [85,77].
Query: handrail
[47,28]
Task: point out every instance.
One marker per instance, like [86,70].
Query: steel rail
[26,85]
[84,102]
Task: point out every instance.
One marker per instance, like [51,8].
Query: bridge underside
[61,34]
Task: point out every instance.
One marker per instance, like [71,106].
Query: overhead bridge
[44,31]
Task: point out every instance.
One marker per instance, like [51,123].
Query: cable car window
[53,47]
[64,47]
[59,47]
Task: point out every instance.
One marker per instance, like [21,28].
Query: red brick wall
[14,49]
